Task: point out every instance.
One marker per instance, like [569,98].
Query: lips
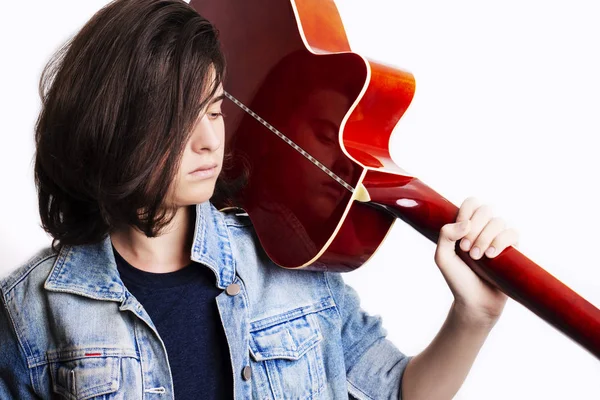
[333,187]
[204,168]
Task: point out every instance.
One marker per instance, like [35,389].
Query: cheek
[326,154]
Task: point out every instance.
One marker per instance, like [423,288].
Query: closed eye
[215,115]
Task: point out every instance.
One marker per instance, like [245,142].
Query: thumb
[450,233]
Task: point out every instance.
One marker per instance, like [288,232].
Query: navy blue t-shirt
[183,308]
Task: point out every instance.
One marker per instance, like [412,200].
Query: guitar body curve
[293,69]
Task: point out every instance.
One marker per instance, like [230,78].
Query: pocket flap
[84,378]
[289,335]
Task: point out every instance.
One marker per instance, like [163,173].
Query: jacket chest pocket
[86,374]
[287,356]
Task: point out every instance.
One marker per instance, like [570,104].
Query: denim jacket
[70,329]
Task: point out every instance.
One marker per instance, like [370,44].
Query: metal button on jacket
[233,289]
[247,373]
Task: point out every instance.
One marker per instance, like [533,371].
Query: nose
[207,135]
[343,166]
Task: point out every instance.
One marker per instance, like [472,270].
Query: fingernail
[466,244]
[490,251]
[475,252]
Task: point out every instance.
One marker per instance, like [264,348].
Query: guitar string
[290,142]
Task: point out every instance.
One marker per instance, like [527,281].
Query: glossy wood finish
[323,30]
[389,92]
[294,205]
[291,64]
[516,275]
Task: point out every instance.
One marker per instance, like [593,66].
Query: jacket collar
[91,271]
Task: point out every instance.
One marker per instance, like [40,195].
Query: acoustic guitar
[309,124]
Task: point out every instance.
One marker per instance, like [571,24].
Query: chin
[195,198]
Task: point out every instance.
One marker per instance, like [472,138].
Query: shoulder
[20,306]
[35,269]
[22,290]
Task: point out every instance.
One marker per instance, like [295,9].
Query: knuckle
[506,236]
[486,210]
[483,241]
[469,203]
[497,221]
[513,233]
[509,232]
[445,229]
[487,236]
[471,200]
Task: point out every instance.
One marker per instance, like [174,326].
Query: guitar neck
[417,204]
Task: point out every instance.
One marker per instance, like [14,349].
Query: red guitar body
[309,125]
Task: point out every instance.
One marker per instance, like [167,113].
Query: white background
[506,109]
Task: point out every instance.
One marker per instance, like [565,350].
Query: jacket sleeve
[15,381]
[374,365]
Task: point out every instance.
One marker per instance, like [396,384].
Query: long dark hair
[119,101]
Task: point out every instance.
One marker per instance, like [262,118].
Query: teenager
[149,291]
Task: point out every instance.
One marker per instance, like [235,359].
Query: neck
[168,252]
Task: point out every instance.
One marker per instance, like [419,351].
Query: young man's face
[204,150]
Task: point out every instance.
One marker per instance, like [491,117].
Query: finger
[467,208]
[479,220]
[483,241]
[449,234]
[508,237]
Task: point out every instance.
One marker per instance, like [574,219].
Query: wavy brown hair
[119,101]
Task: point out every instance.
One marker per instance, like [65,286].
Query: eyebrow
[213,101]
[218,98]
